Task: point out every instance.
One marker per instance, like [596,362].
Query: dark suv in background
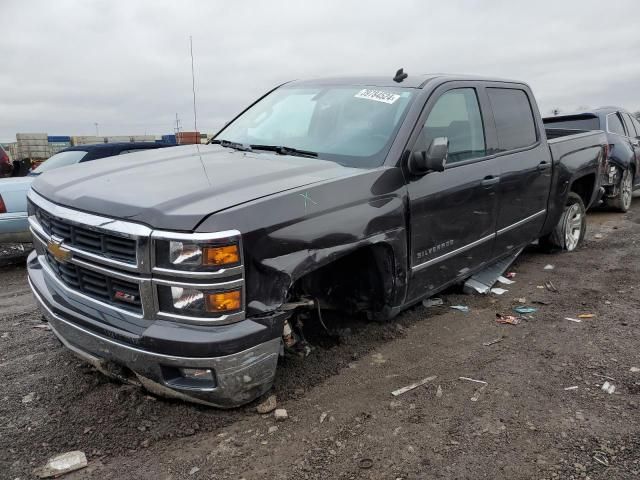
[623,133]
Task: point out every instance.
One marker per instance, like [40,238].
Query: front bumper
[238,377]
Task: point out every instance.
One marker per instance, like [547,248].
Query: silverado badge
[61,254]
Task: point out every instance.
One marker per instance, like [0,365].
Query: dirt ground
[343,421]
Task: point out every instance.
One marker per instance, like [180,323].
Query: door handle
[544,166]
[490,180]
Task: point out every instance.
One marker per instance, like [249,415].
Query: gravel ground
[343,421]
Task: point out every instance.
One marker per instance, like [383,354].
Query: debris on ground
[417,384]
[551,287]
[472,380]
[439,392]
[476,395]
[523,310]
[507,319]
[601,458]
[548,267]
[598,235]
[61,464]
[510,274]
[280,414]
[268,406]
[604,376]
[575,387]
[28,398]
[432,302]
[272,429]
[492,342]
[634,369]
[521,300]
[576,320]
[608,387]
[323,415]
[365,463]
[194,470]
[461,308]
[586,315]
[498,291]
[540,302]
[505,280]
[42,326]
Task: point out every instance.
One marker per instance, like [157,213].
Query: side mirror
[434,159]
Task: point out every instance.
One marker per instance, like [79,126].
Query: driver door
[453,213]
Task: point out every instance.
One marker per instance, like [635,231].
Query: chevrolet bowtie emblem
[61,254]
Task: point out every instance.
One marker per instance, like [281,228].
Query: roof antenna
[400,76]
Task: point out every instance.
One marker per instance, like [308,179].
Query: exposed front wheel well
[361,281]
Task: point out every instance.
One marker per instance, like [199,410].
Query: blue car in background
[14,226]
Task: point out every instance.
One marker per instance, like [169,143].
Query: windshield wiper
[285,150]
[229,144]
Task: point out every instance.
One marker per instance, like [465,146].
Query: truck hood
[176,188]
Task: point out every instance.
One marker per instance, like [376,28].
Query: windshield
[351,125]
[61,159]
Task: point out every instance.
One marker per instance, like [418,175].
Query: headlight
[199,303]
[196,256]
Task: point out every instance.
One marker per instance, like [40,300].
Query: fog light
[197,373]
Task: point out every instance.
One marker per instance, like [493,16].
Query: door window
[515,124]
[614,124]
[631,131]
[456,115]
[636,124]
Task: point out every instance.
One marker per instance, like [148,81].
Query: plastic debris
[510,274]
[507,319]
[498,291]
[575,387]
[541,287]
[472,380]
[586,315]
[365,463]
[548,267]
[432,302]
[598,235]
[492,342]
[61,464]
[439,392]
[194,470]
[576,320]
[28,398]
[402,390]
[505,280]
[603,376]
[524,310]
[461,308]
[608,387]
[521,300]
[323,415]
[42,326]
[551,287]
[634,369]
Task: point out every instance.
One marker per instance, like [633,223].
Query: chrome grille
[96,285]
[107,245]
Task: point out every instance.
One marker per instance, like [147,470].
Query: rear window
[515,124]
[581,122]
[631,131]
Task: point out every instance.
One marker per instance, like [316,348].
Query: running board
[482,281]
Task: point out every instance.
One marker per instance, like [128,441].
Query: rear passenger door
[525,166]
[633,140]
[452,213]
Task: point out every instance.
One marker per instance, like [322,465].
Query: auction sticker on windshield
[377,95]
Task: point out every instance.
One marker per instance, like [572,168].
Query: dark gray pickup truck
[184,270]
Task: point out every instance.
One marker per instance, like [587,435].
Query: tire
[568,234]
[622,201]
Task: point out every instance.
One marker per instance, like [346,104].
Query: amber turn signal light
[221,255]
[223,301]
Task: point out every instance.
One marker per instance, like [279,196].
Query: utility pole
[177,129]
[193,86]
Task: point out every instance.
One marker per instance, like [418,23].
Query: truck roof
[412,81]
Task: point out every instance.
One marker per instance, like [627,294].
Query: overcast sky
[65,65]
